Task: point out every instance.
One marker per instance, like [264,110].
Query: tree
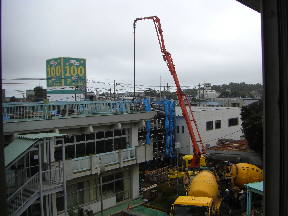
[40,94]
[13,99]
[151,93]
[252,124]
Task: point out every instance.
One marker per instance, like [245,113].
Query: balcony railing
[129,154]
[104,159]
[54,110]
[54,176]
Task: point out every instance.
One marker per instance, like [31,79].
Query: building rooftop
[178,110]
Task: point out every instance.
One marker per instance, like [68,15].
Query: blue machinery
[169,109]
[13,112]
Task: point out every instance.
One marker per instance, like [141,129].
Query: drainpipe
[40,175]
[64,177]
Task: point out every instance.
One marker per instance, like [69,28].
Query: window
[70,152]
[182,129]
[60,201]
[68,139]
[80,138]
[80,150]
[108,134]
[217,124]
[177,129]
[117,133]
[233,122]
[90,136]
[209,125]
[109,145]
[58,153]
[100,147]
[100,135]
[116,184]
[90,148]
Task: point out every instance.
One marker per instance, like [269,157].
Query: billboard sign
[65,71]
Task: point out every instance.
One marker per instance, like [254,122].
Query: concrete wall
[210,137]
[134,182]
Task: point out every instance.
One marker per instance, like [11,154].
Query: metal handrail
[34,179]
[54,176]
[16,200]
[54,110]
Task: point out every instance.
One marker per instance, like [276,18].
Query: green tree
[151,93]
[252,124]
[40,94]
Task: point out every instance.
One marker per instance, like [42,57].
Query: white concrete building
[213,123]
[81,160]
[64,93]
[207,92]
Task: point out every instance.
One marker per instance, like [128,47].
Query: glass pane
[100,147]
[70,151]
[80,150]
[58,153]
[108,134]
[80,138]
[100,135]
[69,139]
[90,136]
[117,133]
[107,178]
[117,143]
[109,145]
[90,148]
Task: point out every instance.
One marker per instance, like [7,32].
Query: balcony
[93,164]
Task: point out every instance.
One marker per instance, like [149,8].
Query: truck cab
[190,205]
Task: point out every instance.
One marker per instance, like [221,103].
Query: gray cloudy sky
[210,41]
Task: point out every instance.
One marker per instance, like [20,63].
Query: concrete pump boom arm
[181,96]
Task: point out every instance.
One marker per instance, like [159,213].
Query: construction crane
[182,98]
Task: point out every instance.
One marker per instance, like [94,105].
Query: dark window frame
[209,125]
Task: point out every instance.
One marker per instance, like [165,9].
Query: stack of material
[157,176]
[234,145]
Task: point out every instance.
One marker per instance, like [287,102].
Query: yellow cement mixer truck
[203,196]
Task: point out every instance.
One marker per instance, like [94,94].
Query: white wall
[134,182]
[210,137]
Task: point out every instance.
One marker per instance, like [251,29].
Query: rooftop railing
[56,110]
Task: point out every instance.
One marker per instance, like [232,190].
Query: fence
[55,110]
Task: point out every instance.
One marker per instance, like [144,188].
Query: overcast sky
[210,41]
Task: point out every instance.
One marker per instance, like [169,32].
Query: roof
[22,143]
[253,4]
[256,187]
[16,148]
[40,135]
[193,201]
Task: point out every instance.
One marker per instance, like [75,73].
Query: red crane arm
[181,96]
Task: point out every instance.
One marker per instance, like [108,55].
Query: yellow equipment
[188,160]
[203,193]
[186,165]
[244,173]
[202,196]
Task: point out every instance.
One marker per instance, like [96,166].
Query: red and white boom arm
[181,96]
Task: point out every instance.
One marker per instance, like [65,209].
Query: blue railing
[39,111]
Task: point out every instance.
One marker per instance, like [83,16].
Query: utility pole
[160,88]
[114,90]
[110,94]
[199,94]
[134,26]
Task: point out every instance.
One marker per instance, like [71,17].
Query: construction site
[123,157]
